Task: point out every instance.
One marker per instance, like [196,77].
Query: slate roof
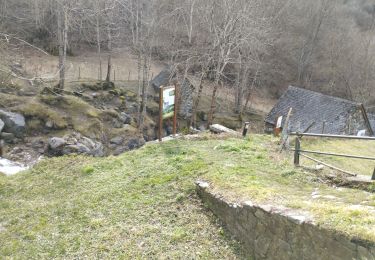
[308,107]
[163,78]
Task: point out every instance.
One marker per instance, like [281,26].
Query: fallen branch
[7,36]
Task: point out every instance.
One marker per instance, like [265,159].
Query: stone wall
[269,232]
[186,105]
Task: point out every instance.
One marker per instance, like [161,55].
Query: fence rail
[301,152]
[333,136]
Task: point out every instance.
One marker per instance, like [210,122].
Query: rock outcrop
[74,144]
[13,123]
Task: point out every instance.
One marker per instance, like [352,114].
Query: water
[9,167]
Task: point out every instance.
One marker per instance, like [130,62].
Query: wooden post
[245,129]
[175,111]
[79,73]
[161,113]
[373,176]
[297,151]
[114,75]
[323,127]
[1,148]
[284,134]
[129,76]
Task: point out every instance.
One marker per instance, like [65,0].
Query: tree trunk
[238,86]
[99,46]
[139,67]
[145,85]
[196,103]
[213,103]
[109,69]
[62,53]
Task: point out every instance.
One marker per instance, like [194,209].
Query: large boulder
[13,123]
[1,125]
[55,146]
[74,144]
[125,118]
[219,129]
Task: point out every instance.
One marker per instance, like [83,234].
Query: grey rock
[77,149]
[117,123]
[117,140]
[7,137]
[120,150]
[130,145]
[37,144]
[13,123]
[202,128]
[49,124]
[135,143]
[125,118]
[74,144]
[55,146]
[56,142]
[1,125]
[218,129]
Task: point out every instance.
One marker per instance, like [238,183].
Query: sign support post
[175,112]
[161,89]
[167,109]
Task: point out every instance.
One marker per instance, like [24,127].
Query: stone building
[168,77]
[322,113]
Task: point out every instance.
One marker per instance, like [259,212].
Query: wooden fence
[298,151]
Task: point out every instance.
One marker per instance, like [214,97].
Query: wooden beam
[367,121]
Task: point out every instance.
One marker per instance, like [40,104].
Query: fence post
[79,73]
[245,129]
[373,176]
[129,76]
[297,151]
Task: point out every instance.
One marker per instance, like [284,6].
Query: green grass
[139,205]
[142,204]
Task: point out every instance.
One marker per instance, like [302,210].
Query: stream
[9,167]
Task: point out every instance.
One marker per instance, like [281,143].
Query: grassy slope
[142,204]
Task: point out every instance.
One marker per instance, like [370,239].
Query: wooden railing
[298,152]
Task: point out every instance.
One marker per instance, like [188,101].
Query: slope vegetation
[142,204]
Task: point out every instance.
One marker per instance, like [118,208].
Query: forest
[322,45]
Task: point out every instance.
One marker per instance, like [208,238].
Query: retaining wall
[269,232]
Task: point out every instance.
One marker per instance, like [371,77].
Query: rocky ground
[95,119]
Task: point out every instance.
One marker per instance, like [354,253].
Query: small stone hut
[186,89]
[322,113]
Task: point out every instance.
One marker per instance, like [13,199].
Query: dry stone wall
[269,232]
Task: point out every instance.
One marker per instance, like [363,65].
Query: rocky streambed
[10,167]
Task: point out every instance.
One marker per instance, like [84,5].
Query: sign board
[169,98]
[167,108]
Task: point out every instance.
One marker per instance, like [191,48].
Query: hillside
[142,204]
